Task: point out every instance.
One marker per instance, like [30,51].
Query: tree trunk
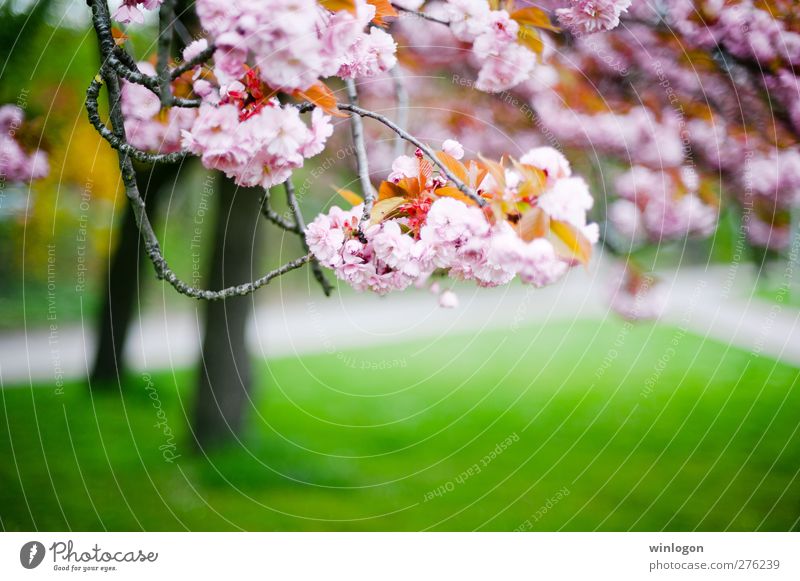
[225,372]
[123,286]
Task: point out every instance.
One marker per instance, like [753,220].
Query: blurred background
[522,409]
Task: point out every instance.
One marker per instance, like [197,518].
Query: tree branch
[422,15]
[357,129]
[466,190]
[101,21]
[274,217]
[190,64]
[116,140]
[316,269]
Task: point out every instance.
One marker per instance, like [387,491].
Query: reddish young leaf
[533,224]
[321,95]
[119,36]
[336,5]
[390,190]
[453,165]
[534,17]
[383,9]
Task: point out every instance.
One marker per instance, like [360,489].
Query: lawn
[568,426]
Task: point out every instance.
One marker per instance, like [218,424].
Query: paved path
[716,303]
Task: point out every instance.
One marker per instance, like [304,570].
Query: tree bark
[225,372]
[123,284]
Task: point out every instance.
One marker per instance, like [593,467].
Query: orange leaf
[533,224]
[533,180]
[383,9]
[336,5]
[453,165]
[574,244]
[530,39]
[534,17]
[321,95]
[425,172]
[451,192]
[495,170]
[390,190]
[119,36]
[350,196]
[384,209]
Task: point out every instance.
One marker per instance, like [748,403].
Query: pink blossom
[448,300]
[453,148]
[16,164]
[588,16]
[627,220]
[325,240]
[403,167]
[568,200]
[130,10]
[194,48]
[551,161]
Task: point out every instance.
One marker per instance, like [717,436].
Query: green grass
[712,445]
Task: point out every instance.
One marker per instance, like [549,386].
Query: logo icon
[31,554]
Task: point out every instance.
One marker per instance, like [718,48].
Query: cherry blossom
[131,10]
[588,16]
[16,164]
[432,233]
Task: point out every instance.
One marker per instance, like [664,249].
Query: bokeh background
[520,410]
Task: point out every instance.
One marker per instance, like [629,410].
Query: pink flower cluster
[451,236]
[588,16]
[261,149]
[146,127]
[16,165]
[294,43]
[659,206]
[131,10]
[503,62]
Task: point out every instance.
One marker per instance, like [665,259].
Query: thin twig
[113,137]
[274,217]
[357,129]
[201,57]
[466,190]
[419,14]
[316,269]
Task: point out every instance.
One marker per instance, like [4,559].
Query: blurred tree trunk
[225,371]
[123,283]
